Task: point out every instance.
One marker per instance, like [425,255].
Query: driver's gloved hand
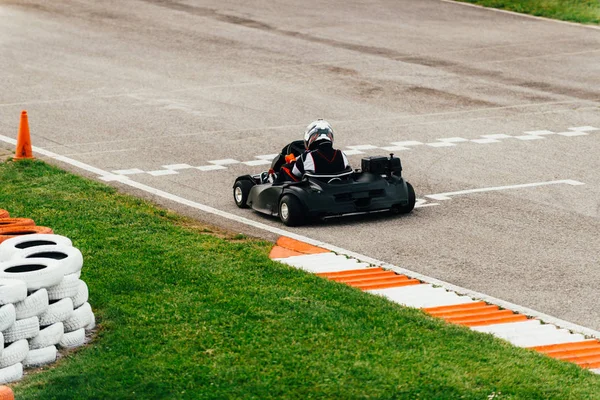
[264,177]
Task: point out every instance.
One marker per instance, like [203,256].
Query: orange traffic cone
[23,140]
[6,393]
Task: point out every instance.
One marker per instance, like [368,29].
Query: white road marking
[162,172]
[107,176]
[573,133]
[485,141]
[453,140]
[584,129]
[539,133]
[227,161]
[447,196]
[363,147]
[395,148]
[268,157]
[132,171]
[441,144]
[529,137]
[211,167]
[176,167]
[407,143]
[498,136]
[257,162]
[353,152]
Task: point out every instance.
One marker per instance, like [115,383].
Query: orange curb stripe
[298,246]
[6,393]
[388,284]
[551,348]
[282,252]
[494,321]
[466,306]
[566,355]
[4,213]
[450,313]
[379,277]
[352,272]
[479,317]
[460,314]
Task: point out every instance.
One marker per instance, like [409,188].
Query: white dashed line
[227,161]
[162,172]
[441,144]
[211,167]
[177,167]
[484,141]
[257,162]
[129,171]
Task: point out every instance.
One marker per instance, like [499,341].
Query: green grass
[583,11]
[188,314]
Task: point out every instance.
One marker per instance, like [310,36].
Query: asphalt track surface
[139,85]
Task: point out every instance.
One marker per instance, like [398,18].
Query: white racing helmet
[316,131]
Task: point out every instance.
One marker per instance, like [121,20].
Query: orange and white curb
[482,316]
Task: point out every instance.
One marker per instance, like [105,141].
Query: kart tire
[80,318]
[4,213]
[8,222]
[412,199]
[291,211]
[241,190]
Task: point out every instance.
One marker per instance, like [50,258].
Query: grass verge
[582,11]
[184,313]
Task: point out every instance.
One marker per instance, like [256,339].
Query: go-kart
[377,186]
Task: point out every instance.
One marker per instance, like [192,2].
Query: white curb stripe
[422,296]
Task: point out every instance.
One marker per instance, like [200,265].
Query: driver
[319,156]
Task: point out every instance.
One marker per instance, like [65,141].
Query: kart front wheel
[291,211]
[241,189]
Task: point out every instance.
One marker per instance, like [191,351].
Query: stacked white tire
[43,302]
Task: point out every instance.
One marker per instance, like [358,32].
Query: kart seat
[331,178]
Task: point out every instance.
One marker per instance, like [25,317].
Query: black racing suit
[322,158]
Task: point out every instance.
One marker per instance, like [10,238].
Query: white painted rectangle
[407,143]
[453,140]
[485,141]
[529,137]
[257,162]
[497,136]
[227,161]
[441,144]
[210,167]
[572,133]
[353,152]
[162,172]
[363,147]
[177,167]
[129,171]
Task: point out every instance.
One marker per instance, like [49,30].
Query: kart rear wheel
[241,189]
[412,198]
[290,211]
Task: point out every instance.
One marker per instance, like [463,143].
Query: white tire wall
[9,247]
[43,302]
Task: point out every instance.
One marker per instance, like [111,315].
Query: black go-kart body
[378,186]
